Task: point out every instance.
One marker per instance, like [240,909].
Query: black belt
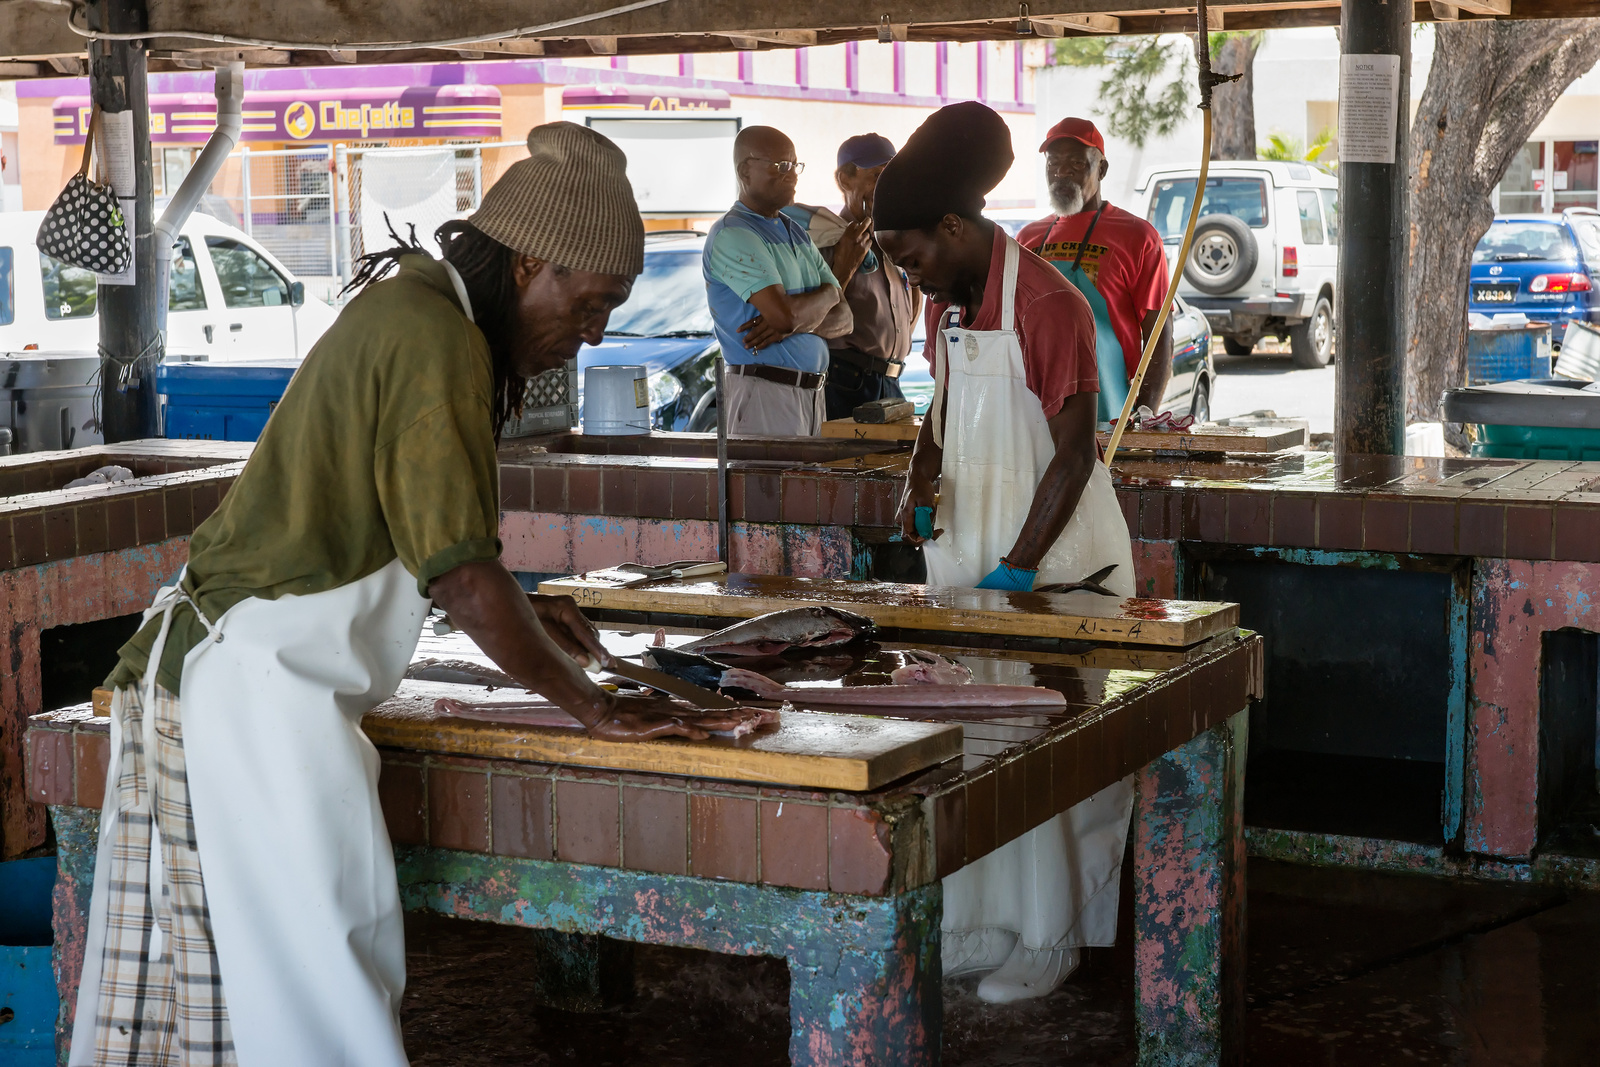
[782,375]
[888,368]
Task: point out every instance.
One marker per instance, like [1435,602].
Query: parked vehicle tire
[1223,256]
[1200,402]
[1237,348]
[1311,342]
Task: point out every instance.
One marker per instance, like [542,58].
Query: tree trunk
[1233,109]
[1491,83]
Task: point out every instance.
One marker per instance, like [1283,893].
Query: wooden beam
[602,46]
[1057,25]
[23,70]
[72,65]
[341,55]
[792,38]
[744,44]
[519,46]
[1444,12]
[1495,8]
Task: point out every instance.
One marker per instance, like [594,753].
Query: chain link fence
[285,200]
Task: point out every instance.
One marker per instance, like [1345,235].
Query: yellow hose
[1172,289]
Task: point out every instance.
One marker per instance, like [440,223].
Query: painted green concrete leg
[864,971]
[581,972]
[872,1005]
[77,837]
[1189,921]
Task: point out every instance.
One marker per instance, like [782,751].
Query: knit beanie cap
[568,203]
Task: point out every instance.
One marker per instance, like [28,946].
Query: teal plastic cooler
[27,979]
[1549,418]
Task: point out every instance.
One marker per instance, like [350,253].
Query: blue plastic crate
[222,401]
[27,977]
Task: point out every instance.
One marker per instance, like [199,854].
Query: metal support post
[722,463]
[247,213]
[1370,409]
[130,332]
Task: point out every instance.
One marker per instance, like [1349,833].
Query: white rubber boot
[1028,973]
[975,951]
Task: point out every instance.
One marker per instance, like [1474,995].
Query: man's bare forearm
[1153,390]
[1054,501]
[485,601]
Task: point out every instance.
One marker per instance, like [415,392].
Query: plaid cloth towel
[166,1011]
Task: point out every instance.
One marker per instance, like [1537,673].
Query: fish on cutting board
[460,672]
[538,713]
[781,631]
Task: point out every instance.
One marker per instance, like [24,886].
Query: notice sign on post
[1369,106]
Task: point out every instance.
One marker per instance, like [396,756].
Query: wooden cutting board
[903,430]
[813,750]
[1213,439]
[1073,616]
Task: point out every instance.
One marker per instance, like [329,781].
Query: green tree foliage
[1139,98]
[1285,149]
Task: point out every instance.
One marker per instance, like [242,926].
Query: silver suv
[1265,254]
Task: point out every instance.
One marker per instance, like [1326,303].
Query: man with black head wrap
[1021,494]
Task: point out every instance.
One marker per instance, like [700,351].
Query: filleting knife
[694,694]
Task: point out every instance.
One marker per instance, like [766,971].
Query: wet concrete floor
[1345,968]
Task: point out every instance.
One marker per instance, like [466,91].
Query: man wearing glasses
[773,298]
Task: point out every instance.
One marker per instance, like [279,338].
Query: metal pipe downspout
[230,122]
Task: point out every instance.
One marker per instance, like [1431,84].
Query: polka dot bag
[85,227]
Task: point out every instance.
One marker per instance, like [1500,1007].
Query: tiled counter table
[75,559]
[844,885]
[1431,630]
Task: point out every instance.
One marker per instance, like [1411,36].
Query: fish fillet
[533,713]
[929,668]
[967,695]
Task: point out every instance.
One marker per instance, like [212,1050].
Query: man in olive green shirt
[245,906]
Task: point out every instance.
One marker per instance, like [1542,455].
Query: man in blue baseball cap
[864,363]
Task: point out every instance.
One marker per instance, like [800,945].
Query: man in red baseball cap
[1115,259]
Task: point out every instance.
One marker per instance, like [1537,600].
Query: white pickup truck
[1266,250]
[230,298]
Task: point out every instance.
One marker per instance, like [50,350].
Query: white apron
[299,872]
[1055,886]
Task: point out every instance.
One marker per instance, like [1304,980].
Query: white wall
[1292,69]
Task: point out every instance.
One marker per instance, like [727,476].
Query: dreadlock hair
[485,267]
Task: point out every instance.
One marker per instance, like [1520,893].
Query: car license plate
[1494,294]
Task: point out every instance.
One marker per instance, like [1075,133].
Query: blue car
[1544,266]
[665,326]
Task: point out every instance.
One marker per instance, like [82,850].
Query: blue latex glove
[1011,579]
[922,518]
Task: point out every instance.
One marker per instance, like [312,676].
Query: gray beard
[1067,201]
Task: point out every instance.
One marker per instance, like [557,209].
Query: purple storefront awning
[642,97]
[360,114]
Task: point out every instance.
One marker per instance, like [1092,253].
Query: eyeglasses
[781,166]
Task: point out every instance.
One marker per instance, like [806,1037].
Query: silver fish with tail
[780,631]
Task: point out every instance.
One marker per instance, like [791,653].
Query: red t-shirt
[1054,324]
[1125,260]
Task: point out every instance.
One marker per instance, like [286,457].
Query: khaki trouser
[757,407]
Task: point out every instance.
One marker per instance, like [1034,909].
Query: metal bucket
[1580,352]
[616,401]
[1505,354]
